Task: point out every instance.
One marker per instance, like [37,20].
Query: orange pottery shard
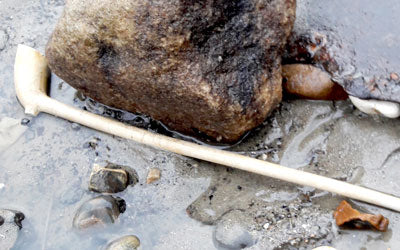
[346,215]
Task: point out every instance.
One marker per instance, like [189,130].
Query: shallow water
[45,166]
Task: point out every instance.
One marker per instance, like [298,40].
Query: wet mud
[357,42]
[46,166]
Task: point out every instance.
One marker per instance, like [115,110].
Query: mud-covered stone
[111,178]
[198,66]
[99,211]
[10,225]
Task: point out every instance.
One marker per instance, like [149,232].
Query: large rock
[211,66]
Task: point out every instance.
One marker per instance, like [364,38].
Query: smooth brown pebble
[153,175]
[129,242]
[309,82]
[99,212]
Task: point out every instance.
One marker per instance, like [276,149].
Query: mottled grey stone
[99,211]
[10,224]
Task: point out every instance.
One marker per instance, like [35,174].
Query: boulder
[201,67]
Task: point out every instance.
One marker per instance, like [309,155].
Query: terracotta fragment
[154,175]
[346,215]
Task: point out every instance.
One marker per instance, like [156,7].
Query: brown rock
[210,66]
[345,215]
[307,81]
[153,175]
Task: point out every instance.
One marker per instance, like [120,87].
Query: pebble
[93,143]
[153,175]
[108,180]
[394,76]
[264,157]
[129,242]
[10,225]
[307,81]
[99,211]
[25,121]
[116,170]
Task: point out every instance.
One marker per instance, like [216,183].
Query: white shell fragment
[373,107]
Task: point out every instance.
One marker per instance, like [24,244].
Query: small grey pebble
[25,121]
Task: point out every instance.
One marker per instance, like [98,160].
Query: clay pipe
[31,74]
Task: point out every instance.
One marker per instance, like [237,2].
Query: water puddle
[304,146]
[10,131]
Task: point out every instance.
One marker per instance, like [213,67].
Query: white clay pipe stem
[31,74]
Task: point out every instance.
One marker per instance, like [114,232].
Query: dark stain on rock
[221,44]
[107,59]
[202,29]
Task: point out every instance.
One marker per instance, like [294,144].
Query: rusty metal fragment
[345,215]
